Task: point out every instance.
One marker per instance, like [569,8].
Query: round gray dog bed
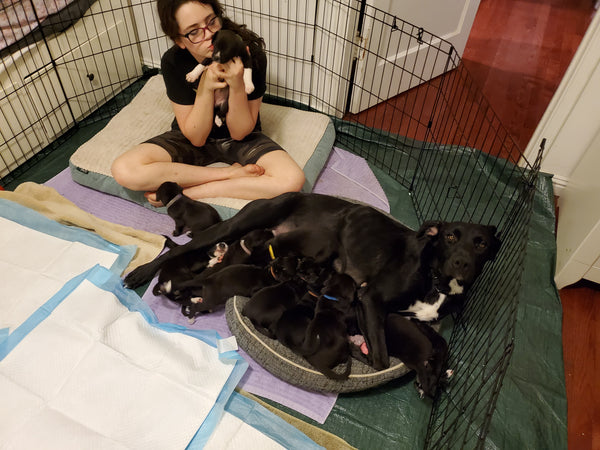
[292,368]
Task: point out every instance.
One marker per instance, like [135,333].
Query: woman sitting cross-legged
[259,167]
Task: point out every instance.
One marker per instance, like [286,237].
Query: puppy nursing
[226,46]
[333,281]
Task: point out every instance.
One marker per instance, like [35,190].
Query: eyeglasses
[197,35]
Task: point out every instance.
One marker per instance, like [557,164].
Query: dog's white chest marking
[455,288]
[427,312]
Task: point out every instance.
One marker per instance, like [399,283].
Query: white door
[395,56]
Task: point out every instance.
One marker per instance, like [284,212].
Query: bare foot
[151,197]
[249,170]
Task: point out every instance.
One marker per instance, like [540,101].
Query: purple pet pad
[344,174]
[349,175]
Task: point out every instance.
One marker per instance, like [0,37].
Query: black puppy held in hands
[226,45]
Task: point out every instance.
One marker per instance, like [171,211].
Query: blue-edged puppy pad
[307,136]
[92,368]
[246,424]
[39,255]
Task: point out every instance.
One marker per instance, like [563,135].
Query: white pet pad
[39,255]
[95,370]
[248,425]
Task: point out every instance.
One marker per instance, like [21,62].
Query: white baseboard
[559,183]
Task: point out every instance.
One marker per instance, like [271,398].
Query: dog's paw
[420,389]
[195,73]
[248,85]
[166,287]
[138,276]
[218,121]
[191,77]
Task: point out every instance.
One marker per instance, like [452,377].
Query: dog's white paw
[218,121]
[165,287]
[248,85]
[195,73]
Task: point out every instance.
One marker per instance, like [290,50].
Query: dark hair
[168,8]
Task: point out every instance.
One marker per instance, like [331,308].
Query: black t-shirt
[177,62]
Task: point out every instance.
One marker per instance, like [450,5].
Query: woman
[259,167]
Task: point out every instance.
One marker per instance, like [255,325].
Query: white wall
[572,118]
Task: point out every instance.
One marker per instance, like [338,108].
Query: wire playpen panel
[416,115]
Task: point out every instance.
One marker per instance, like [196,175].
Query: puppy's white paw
[195,73]
[218,121]
[248,85]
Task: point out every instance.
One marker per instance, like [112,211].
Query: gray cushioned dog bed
[285,364]
[307,136]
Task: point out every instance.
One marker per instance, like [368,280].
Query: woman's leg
[146,166]
[281,174]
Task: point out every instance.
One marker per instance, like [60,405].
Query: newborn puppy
[267,305]
[418,346]
[250,249]
[291,327]
[226,45]
[217,253]
[326,343]
[179,270]
[207,293]
[188,214]
[313,275]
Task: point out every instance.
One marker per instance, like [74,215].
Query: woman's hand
[232,72]
[212,79]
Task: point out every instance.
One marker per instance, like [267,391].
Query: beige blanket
[51,204]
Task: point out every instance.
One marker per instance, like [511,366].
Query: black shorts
[227,150]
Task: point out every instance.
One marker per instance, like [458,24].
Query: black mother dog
[395,265]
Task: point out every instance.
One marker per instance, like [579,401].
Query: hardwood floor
[581,349]
[516,55]
[518,52]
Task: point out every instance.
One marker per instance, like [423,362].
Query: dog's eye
[450,238]
[480,244]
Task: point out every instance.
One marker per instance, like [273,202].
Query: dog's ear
[429,228]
